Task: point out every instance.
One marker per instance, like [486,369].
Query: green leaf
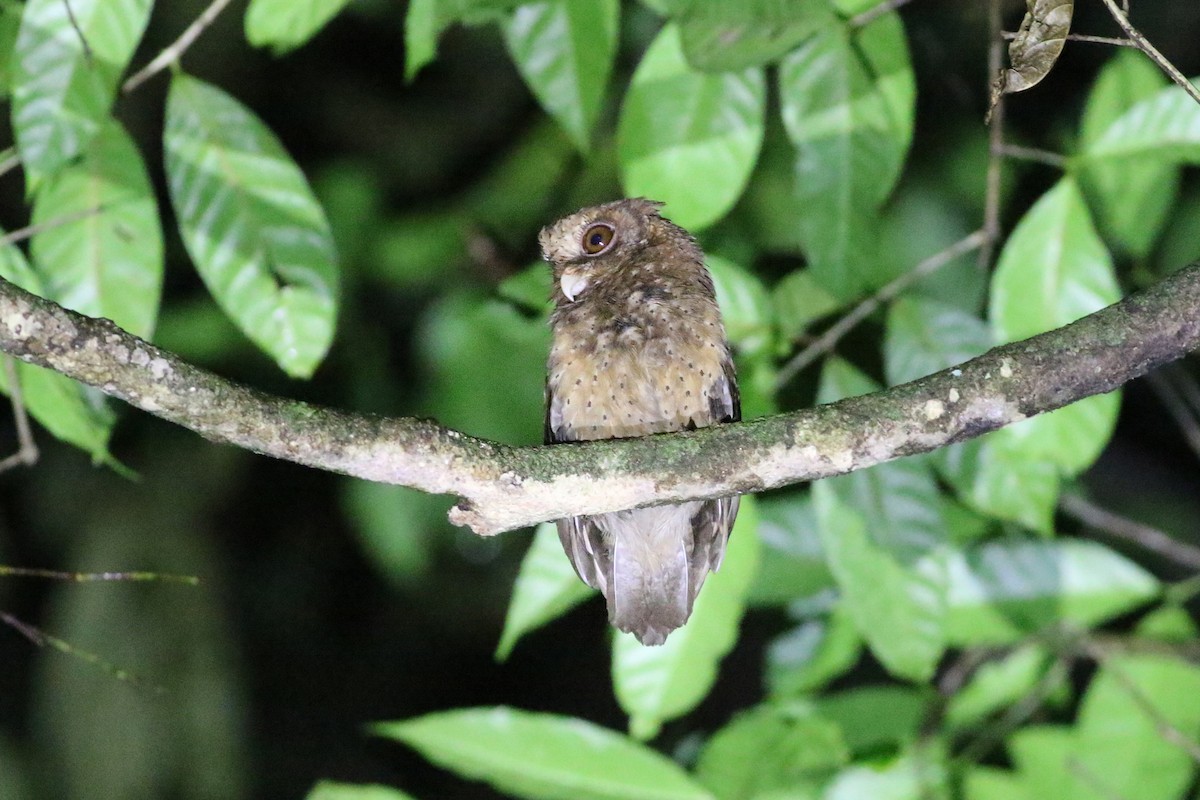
[1165,126]
[991,783]
[395,526]
[1119,736]
[1169,623]
[67,62]
[420,251]
[284,25]
[10,25]
[799,301]
[925,336]
[329,790]
[909,777]
[564,50]
[1044,755]
[251,224]
[108,261]
[530,288]
[1180,243]
[811,655]
[793,564]
[546,588]
[543,755]
[771,748]
[997,685]
[847,101]
[997,476]
[1002,591]
[897,607]
[65,408]
[1071,438]
[1132,196]
[16,770]
[901,505]
[421,31]
[427,19]
[687,138]
[656,684]
[875,718]
[1118,747]
[882,529]
[745,306]
[467,342]
[720,36]
[1053,270]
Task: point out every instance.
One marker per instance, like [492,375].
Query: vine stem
[1143,44]
[172,53]
[866,308]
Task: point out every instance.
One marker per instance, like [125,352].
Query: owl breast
[648,369]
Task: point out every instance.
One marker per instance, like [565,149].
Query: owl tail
[650,592]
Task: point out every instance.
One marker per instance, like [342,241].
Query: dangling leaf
[1039,41]
[284,25]
[251,224]
[564,49]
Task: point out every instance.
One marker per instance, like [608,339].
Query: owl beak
[572,284]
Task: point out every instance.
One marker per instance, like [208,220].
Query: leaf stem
[27,449]
[1140,534]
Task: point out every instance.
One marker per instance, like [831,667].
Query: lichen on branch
[502,487]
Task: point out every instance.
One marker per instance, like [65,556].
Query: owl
[638,348]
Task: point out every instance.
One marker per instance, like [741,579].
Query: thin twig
[10,159]
[1163,726]
[171,54]
[1033,154]
[875,12]
[831,337]
[1016,714]
[991,198]
[1144,536]
[42,639]
[1177,407]
[27,450]
[95,577]
[1143,44]
[29,231]
[1114,41]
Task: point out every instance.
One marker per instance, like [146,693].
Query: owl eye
[597,238]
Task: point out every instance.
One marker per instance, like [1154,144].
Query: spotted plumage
[638,348]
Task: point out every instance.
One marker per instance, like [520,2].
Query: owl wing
[714,520]
[581,537]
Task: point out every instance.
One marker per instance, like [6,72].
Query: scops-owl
[638,348]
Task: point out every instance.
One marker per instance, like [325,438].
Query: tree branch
[502,487]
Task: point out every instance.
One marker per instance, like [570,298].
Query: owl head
[596,243]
